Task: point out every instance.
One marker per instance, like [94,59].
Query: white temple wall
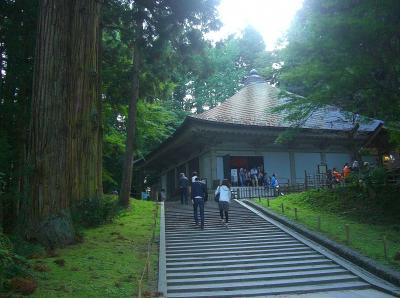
[277,163]
[306,161]
[337,160]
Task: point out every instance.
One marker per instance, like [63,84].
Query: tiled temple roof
[253,105]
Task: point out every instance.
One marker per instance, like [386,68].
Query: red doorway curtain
[238,162]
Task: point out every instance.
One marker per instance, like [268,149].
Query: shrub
[26,249]
[376,176]
[5,257]
[95,211]
[11,264]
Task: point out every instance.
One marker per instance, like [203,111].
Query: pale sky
[269,17]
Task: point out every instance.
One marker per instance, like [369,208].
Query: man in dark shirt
[199,193]
[183,188]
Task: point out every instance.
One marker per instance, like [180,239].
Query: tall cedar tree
[65,129]
[155,24]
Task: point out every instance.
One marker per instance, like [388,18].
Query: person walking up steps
[224,200]
[199,194]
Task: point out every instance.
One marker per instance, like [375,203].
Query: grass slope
[108,263]
[366,232]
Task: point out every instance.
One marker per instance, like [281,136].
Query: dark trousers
[198,203]
[221,213]
[184,195]
[224,208]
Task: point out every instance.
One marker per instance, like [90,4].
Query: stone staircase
[251,258]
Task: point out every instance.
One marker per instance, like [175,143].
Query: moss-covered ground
[108,263]
[366,232]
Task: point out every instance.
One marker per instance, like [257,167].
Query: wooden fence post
[347,230]
[140,288]
[148,267]
[295,213]
[305,180]
[385,247]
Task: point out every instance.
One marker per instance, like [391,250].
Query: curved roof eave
[190,120]
[181,128]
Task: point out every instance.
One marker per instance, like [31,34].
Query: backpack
[216,197]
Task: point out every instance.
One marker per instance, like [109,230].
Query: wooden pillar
[213,161]
[176,178]
[187,170]
[292,168]
[323,157]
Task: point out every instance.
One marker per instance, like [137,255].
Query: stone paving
[250,258]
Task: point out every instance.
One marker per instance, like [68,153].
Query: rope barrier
[347,236]
[146,268]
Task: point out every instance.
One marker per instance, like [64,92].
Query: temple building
[242,131]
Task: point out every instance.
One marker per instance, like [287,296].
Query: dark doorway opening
[245,163]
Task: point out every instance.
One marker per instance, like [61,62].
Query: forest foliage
[343,53]
[346,54]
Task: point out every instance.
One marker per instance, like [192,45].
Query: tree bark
[65,153]
[126,182]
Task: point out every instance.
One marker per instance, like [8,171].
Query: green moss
[11,264]
[366,233]
[108,263]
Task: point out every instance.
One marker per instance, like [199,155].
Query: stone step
[263,292]
[231,233]
[235,252]
[238,272]
[233,242]
[225,262]
[238,247]
[217,228]
[228,237]
[283,282]
[255,277]
[241,255]
[221,254]
[247,266]
[237,221]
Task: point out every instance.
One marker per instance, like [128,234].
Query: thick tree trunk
[65,130]
[126,182]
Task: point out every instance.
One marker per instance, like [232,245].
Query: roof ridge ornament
[253,78]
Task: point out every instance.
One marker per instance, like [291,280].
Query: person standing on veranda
[225,196]
[183,188]
[254,175]
[275,185]
[242,177]
[346,171]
